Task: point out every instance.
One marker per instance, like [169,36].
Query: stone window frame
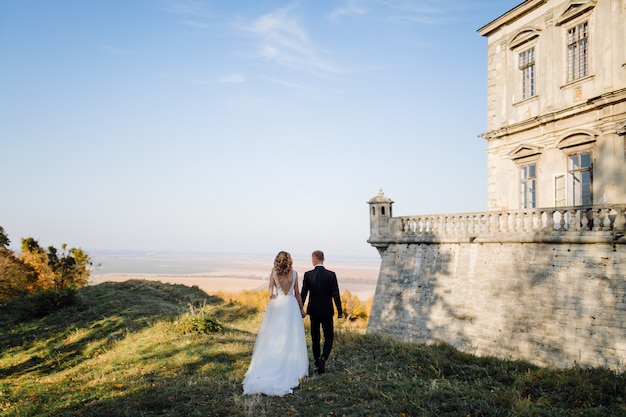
[589,169]
[578,51]
[575,14]
[529,72]
[525,39]
[577,142]
[524,189]
[525,155]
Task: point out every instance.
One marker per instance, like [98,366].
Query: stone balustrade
[582,224]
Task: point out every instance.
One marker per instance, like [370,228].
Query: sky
[234,126]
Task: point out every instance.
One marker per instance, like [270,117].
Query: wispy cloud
[195,13]
[283,39]
[186,7]
[351,8]
[424,12]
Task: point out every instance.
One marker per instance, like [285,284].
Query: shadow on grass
[104,314]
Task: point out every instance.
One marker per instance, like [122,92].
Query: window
[577,52]
[579,172]
[528,181]
[560,191]
[527,66]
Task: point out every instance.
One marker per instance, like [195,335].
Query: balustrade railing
[554,221]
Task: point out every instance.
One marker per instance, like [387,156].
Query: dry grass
[118,353]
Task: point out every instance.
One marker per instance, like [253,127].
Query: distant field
[229,273]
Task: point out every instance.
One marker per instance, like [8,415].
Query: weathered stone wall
[553,304]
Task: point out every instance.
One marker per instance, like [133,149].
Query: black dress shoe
[321,366]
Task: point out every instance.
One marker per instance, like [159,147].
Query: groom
[323,288]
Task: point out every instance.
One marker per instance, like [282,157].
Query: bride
[279,359]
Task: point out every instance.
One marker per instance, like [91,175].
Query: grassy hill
[143,348]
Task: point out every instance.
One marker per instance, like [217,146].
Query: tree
[352,307]
[37,270]
[16,278]
[71,268]
[57,271]
[34,256]
[4,239]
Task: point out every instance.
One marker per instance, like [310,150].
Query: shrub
[198,321]
[352,307]
[45,302]
[16,278]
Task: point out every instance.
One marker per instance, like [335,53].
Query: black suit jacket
[321,286]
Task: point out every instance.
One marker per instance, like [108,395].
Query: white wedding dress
[279,358]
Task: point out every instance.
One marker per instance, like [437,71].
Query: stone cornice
[510,16]
[592,104]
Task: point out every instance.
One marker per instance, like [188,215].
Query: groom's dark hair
[319,255]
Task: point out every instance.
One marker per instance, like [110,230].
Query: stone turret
[380,213]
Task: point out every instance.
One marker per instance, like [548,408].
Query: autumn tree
[352,307]
[71,268]
[37,258]
[56,271]
[36,270]
[16,278]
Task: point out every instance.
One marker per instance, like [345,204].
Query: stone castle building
[541,275]
[556,115]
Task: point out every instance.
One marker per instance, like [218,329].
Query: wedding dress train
[280,358]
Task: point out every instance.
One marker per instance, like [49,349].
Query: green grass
[120,352]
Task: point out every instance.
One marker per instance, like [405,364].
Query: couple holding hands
[280,359]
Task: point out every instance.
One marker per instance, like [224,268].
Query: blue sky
[238,126]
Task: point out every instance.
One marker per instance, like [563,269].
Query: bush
[16,278]
[352,307]
[198,321]
[45,302]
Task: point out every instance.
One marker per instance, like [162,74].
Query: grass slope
[118,353]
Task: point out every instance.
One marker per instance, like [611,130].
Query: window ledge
[577,81]
[526,100]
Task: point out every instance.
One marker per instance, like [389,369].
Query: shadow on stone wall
[553,304]
[406,293]
[570,305]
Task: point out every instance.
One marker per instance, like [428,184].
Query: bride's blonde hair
[283,263]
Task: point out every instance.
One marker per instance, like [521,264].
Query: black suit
[323,288]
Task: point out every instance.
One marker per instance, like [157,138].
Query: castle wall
[553,304]
[551,298]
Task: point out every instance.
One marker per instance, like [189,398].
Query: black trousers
[326,324]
